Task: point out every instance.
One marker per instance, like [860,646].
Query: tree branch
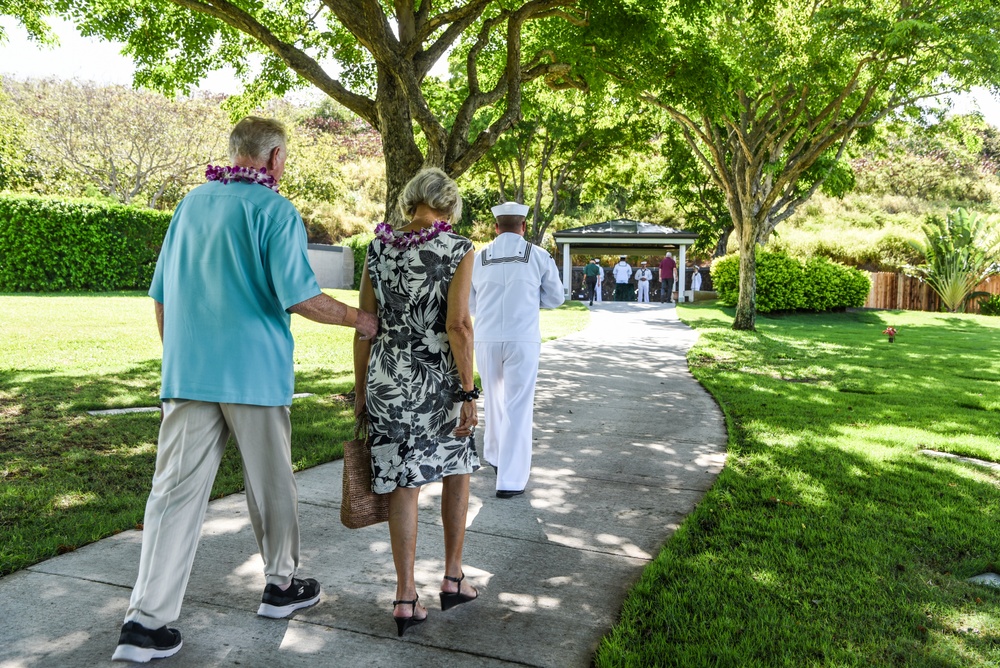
[296,59]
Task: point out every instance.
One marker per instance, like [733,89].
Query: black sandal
[451,599]
[403,623]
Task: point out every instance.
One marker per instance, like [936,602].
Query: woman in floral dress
[415,381]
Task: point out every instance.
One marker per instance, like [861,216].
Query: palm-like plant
[960,252]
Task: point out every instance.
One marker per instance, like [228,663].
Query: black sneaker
[139,644]
[277,604]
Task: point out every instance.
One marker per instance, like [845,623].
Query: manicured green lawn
[67,478]
[828,540]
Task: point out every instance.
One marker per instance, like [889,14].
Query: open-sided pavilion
[623,237]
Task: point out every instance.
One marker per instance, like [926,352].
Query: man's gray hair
[255,137]
[434,188]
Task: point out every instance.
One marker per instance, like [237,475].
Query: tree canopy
[567,142]
[30,14]
[769,93]
[372,57]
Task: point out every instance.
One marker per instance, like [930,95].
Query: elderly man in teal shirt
[232,269]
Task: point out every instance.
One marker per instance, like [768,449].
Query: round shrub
[787,284]
[827,285]
[779,282]
[725,273]
[50,245]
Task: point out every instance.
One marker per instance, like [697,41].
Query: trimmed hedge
[50,245]
[787,284]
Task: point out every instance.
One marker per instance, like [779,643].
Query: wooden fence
[899,291]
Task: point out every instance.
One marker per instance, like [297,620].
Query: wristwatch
[470,395]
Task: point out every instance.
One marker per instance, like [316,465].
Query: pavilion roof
[622,235]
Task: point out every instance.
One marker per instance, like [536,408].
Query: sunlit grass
[67,478]
[828,539]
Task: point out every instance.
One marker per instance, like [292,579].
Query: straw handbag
[360,506]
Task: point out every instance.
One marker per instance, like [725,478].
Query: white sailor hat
[510,209]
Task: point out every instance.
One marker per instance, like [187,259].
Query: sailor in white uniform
[643,277]
[695,279]
[511,279]
[622,273]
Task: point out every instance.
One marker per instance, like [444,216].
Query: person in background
[414,382]
[643,278]
[233,266]
[511,279]
[599,292]
[590,275]
[668,276]
[695,280]
[622,273]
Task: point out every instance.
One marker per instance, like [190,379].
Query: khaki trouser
[193,436]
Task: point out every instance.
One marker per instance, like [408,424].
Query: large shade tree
[769,93]
[561,148]
[374,57]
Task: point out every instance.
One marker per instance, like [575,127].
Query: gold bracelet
[351,317]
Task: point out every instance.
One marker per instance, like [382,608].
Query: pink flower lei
[410,239]
[243,174]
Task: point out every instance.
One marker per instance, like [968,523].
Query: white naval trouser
[508,371]
[643,291]
[193,436]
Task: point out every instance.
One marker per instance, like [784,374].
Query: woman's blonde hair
[434,188]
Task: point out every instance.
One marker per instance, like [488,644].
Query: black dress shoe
[508,493]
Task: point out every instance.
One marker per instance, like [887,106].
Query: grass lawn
[67,478]
[828,540]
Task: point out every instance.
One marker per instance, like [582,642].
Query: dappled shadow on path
[626,444]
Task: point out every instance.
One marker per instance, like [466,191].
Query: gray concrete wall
[333,265]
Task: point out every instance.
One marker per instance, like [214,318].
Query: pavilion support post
[681,266]
[567,272]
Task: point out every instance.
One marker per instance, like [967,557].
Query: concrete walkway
[626,445]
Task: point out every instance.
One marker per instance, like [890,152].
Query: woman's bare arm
[460,338]
[362,344]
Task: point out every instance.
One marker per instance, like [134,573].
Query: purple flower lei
[410,239]
[243,174]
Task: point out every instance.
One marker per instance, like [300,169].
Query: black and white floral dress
[412,377]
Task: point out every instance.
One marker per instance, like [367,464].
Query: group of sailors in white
[623,273]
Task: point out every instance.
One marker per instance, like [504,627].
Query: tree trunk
[720,247]
[402,156]
[746,308]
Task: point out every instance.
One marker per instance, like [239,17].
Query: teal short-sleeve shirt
[233,260]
